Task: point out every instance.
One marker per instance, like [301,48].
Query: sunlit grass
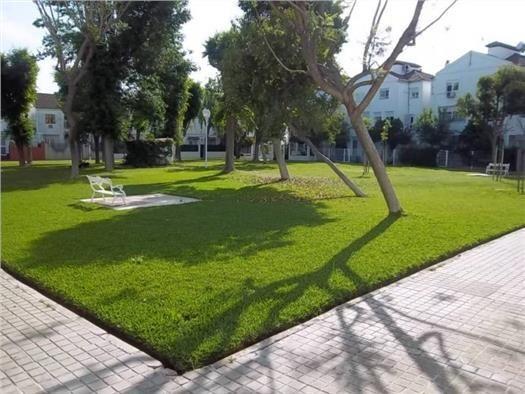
[196,282]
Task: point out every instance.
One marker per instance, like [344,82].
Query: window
[50,119]
[414,93]
[452,88]
[384,93]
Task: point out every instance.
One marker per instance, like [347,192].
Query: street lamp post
[206,114]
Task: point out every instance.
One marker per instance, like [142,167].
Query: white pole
[206,146]
[446,158]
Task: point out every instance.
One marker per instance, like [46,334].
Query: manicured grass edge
[146,348]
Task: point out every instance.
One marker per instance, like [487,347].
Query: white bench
[105,187]
[497,169]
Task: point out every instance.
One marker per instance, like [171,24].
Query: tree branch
[407,36]
[437,19]
[310,52]
[261,29]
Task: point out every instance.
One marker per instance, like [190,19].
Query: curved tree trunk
[229,159]
[109,160]
[377,164]
[279,157]
[358,192]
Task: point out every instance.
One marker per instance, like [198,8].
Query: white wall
[43,130]
[400,103]
[466,70]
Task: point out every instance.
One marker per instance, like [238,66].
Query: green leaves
[19,74]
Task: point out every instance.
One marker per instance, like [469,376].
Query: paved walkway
[457,327]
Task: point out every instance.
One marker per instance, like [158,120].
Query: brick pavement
[457,327]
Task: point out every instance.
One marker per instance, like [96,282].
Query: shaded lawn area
[196,282]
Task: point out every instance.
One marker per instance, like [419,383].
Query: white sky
[469,25]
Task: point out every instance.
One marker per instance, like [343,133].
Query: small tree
[224,52]
[385,129]
[193,108]
[430,130]
[19,73]
[497,97]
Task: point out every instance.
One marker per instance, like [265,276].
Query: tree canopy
[19,74]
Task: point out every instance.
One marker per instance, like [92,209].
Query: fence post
[446,158]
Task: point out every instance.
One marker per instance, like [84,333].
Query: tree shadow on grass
[225,224]
[39,176]
[280,294]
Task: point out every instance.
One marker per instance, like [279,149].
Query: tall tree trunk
[358,192]
[109,160]
[97,148]
[279,157]
[237,150]
[263,152]
[73,143]
[178,152]
[79,147]
[494,149]
[256,151]
[229,160]
[377,164]
[29,150]
[75,159]
[21,155]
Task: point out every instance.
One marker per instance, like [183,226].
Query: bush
[158,152]
[418,156]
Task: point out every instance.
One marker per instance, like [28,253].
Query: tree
[193,107]
[19,73]
[316,30]
[75,29]
[385,130]
[396,133]
[430,130]
[497,97]
[136,77]
[225,53]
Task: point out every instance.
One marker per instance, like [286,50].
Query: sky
[469,25]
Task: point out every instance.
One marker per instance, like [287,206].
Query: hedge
[158,152]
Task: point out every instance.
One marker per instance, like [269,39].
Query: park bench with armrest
[497,169]
[105,187]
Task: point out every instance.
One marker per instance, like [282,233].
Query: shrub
[418,156]
[158,152]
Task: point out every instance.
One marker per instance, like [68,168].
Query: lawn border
[146,348]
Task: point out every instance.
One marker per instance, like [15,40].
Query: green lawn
[196,282]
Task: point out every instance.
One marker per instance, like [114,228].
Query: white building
[50,123]
[461,76]
[405,92]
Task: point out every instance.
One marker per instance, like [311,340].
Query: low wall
[38,152]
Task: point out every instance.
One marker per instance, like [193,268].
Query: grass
[193,283]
